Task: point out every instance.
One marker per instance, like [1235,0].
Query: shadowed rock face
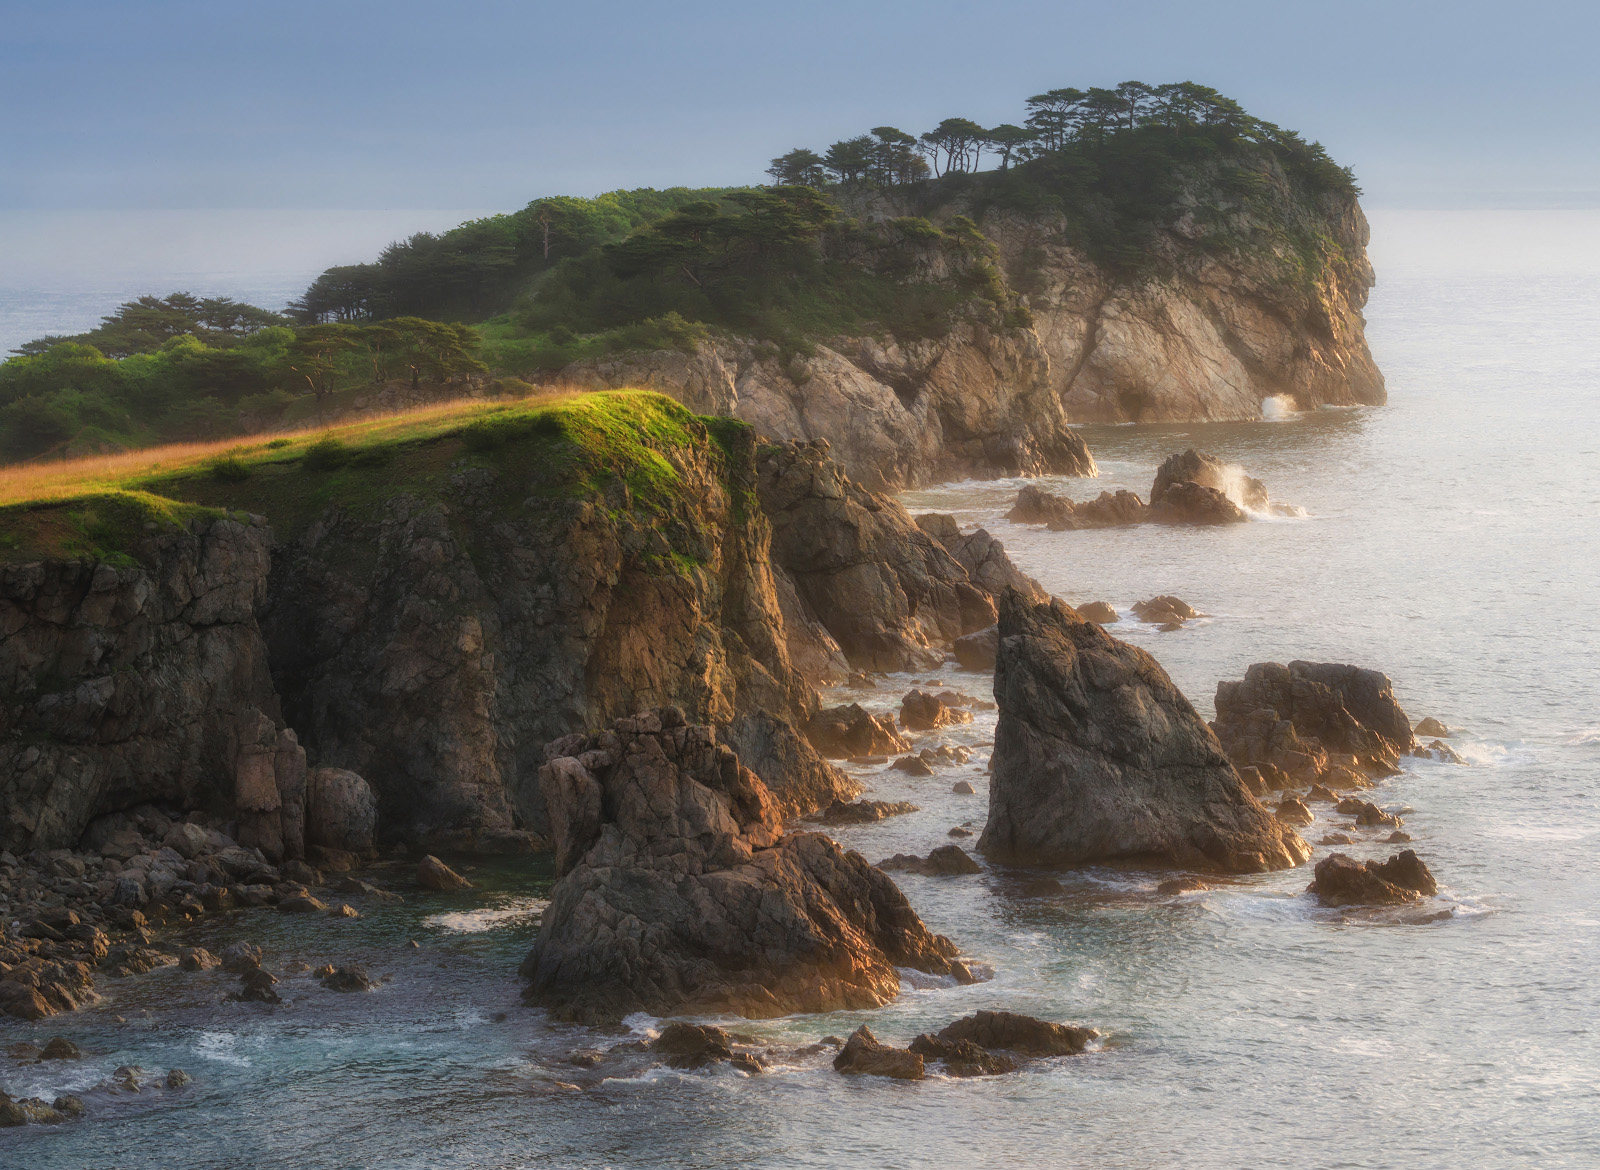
[1099,757]
[147,682]
[679,891]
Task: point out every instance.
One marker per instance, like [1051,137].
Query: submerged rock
[692,1046]
[351,977]
[862,812]
[1098,756]
[678,890]
[1343,881]
[1163,610]
[962,1058]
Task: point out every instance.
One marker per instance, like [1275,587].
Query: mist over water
[1451,539]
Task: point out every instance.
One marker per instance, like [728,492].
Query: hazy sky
[485,103]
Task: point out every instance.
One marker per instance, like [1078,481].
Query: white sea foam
[1586,737]
[1278,408]
[220,1046]
[489,917]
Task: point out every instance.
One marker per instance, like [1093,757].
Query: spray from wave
[1278,408]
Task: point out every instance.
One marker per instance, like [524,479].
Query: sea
[1450,539]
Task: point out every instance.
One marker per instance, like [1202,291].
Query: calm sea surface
[1452,540]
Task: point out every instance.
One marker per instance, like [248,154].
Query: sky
[487,104]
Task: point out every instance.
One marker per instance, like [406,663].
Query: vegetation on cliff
[620,448]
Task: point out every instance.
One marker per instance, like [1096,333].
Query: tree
[961,141]
[799,168]
[314,356]
[849,160]
[1055,117]
[895,159]
[1006,140]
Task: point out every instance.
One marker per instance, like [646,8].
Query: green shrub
[230,469]
[326,455]
[279,444]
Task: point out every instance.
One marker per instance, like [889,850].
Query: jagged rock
[188,840]
[1192,503]
[912,766]
[677,890]
[302,903]
[1034,505]
[1164,609]
[1342,881]
[240,957]
[433,874]
[256,986]
[962,1058]
[69,1105]
[1099,612]
[1367,813]
[691,1046]
[945,861]
[176,1078]
[197,959]
[845,732]
[343,910]
[770,746]
[1398,837]
[982,556]
[864,1055]
[1098,756]
[1293,716]
[891,595]
[977,651]
[60,1048]
[1018,1033]
[1293,812]
[351,977]
[1336,839]
[921,711]
[1430,726]
[862,812]
[1196,488]
[1319,794]
[1439,750]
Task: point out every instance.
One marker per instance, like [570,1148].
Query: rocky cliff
[139,681]
[1225,313]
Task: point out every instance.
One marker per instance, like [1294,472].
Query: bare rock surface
[864,1054]
[1099,757]
[433,874]
[845,732]
[945,861]
[864,812]
[1196,488]
[1343,881]
[926,711]
[679,891]
[1303,717]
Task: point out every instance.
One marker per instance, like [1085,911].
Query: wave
[517,910]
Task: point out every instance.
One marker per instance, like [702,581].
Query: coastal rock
[691,1046]
[771,746]
[963,788]
[240,957]
[1015,1032]
[1293,812]
[1430,726]
[864,1055]
[1099,612]
[433,874]
[922,711]
[678,890]
[350,977]
[977,651]
[1099,757]
[1196,488]
[844,732]
[341,811]
[1164,609]
[913,766]
[1035,505]
[962,1058]
[1193,503]
[1342,881]
[982,556]
[945,861]
[1294,716]
[864,812]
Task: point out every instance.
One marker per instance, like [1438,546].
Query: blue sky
[484,103]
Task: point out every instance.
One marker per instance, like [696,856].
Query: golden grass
[70,478]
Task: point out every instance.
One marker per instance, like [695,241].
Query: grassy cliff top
[559,446]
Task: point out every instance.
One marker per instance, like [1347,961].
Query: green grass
[624,447]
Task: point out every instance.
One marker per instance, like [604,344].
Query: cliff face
[1206,333]
[130,684]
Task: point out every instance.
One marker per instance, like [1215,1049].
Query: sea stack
[1099,757]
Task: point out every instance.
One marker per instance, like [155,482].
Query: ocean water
[1451,539]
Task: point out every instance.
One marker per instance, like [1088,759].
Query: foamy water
[1450,540]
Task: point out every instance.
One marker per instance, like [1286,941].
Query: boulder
[976,651]
[963,788]
[1294,716]
[864,1055]
[1099,612]
[433,874]
[1431,726]
[1183,885]
[341,811]
[1034,505]
[844,732]
[60,1048]
[350,977]
[921,711]
[1366,813]
[1342,881]
[1164,609]
[1199,469]
[256,987]
[188,840]
[240,957]
[1292,811]
[945,861]
[1099,757]
[1019,1033]
[1190,503]
[912,766]
[692,1045]
[678,891]
[197,959]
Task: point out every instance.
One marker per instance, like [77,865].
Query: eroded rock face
[679,891]
[842,732]
[341,811]
[1099,757]
[436,647]
[124,685]
[1299,718]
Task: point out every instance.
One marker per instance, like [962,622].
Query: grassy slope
[572,445]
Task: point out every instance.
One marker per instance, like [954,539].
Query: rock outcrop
[1312,721]
[125,684]
[843,732]
[1099,757]
[1343,881]
[679,891]
[1196,488]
